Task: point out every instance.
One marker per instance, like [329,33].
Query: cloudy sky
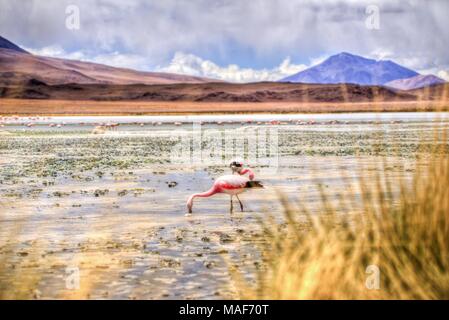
[234,40]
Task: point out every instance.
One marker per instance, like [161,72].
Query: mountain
[18,66]
[6,44]
[348,68]
[416,82]
[207,92]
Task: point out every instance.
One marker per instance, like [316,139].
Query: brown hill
[17,67]
[204,92]
[435,92]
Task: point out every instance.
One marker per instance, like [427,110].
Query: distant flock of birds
[102,127]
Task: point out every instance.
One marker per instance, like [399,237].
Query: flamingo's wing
[232,182]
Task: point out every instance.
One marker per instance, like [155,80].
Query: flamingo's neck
[208,193]
[245,171]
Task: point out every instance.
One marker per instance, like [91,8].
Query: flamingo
[229,184]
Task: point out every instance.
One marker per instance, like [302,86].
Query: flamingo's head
[236,166]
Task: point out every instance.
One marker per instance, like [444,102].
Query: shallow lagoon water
[106,204]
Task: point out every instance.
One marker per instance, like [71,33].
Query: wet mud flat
[97,216]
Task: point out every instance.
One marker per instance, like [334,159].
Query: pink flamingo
[229,184]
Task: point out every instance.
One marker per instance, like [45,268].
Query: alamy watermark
[72,279]
[256,146]
[72,20]
[372,21]
[372,281]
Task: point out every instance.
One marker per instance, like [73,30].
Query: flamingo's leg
[241,204]
[231,208]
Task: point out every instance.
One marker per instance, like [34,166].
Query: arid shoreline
[92,108]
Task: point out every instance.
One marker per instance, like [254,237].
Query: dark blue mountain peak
[6,44]
[345,67]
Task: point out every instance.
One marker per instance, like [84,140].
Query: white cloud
[444,74]
[318,60]
[56,51]
[143,34]
[381,54]
[114,59]
[181,63]
[423,64]
[190,64]
[120,60]
[266,29]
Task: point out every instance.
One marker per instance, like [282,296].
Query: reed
[396,245]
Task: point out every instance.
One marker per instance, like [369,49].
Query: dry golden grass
[402,232]
[66,107]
